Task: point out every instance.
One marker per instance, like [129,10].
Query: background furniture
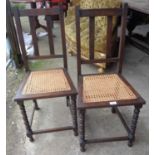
[138,15]
[46,83]
[105,90]
[33,6]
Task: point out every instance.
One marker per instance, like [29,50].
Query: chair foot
[130,143]
[30,137]
[82,148]
[113,110]
[36,105]
[75,133]
[37,108]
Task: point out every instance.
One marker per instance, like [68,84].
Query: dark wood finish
[24,1]
[33,6]
[82,129]
[88,141]
[91,37]
[91,13]
[31,14]
[78,40]
[45,57]
[34,35]
[122,119]
[109,36]
[122,38]
[50,34]
[26,122]
[82,107]
[21,39]
[20,97]
[67,101]
[107,60]
[52,130]
[39,12]
[32,115]
[61,18]
[133,125]
[36,105]
[100,12]
[74,114]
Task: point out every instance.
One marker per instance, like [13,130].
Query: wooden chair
[105,90]
[45,83]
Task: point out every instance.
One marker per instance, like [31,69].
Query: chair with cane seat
[44,84]
[105,90]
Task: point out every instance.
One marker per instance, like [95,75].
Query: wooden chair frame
[70,94]
[82,107]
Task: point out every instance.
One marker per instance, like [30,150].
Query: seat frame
[70,95]
[81,106]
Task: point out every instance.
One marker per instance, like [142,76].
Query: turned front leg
[82,129]
[26,122]
[133,125]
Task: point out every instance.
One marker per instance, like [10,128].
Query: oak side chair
[44,84]
[105,90]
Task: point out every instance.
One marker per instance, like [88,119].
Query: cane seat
[46,82]
[100,88]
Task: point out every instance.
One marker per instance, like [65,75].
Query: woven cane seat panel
[46,82]
[100,88]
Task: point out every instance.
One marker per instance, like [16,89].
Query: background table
[138,15]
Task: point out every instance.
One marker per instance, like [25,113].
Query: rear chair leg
[26,122]
[74,114]
[67,101]
[133,125]
[36,105]
[82,129]
[113,110]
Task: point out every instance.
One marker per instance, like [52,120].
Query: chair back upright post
[91,14]
[31,14]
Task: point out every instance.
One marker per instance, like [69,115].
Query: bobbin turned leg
[133,125]
[82,129]
[26,122]
[36,105]
[74,114]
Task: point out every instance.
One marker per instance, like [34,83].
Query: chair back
[32,14]
[91,14]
